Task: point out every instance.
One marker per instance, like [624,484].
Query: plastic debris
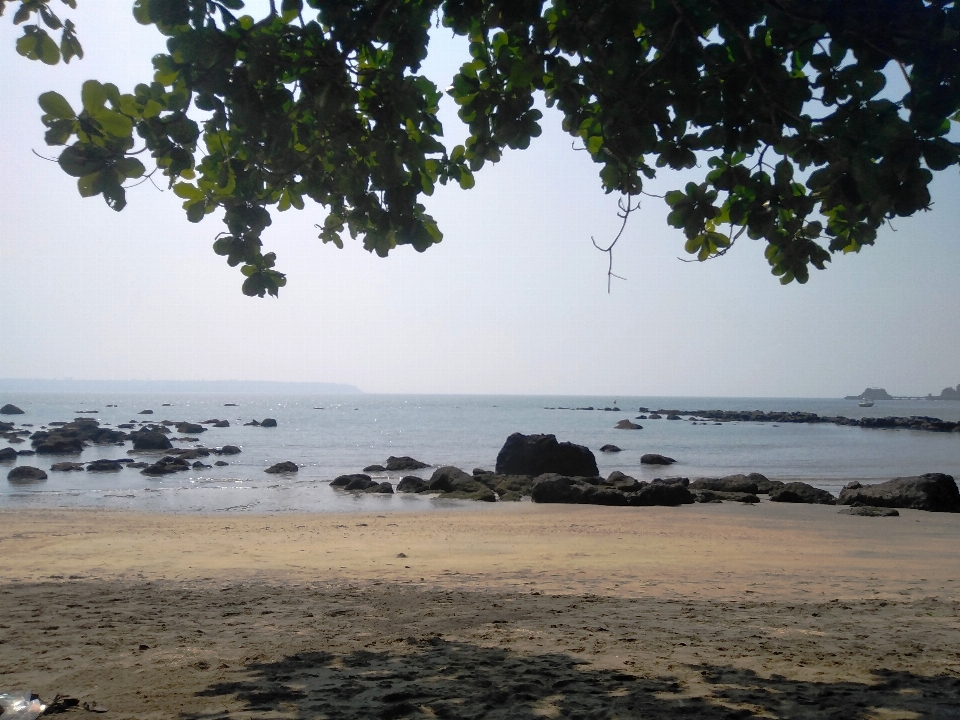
[20,706]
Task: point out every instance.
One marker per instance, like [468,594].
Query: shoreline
[513,610]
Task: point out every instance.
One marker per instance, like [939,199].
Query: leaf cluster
[786,100]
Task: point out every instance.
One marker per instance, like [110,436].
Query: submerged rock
[188,428]
[934,492]
[610,449]
[67,467]
[539,454]
[656,459]
[26,474]
[105,466]
[283,467]
[404,463]
[7,453]
[628,425]
[374,468]
[268,422]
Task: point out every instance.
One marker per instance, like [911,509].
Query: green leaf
[93,95]
[47,49]
[56,106]
[594,143]
[130,167]
[115,123]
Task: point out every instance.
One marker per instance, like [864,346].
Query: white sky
[513,300]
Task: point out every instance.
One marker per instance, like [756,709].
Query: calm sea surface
[332,435]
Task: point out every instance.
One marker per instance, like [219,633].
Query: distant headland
[947,393]
[229,387]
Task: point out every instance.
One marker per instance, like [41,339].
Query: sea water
[337,434]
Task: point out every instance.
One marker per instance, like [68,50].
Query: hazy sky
[514,300]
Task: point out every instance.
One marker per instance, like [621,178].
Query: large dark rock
[283,467]
[664,492]
[150,440]
[26,474]
[628,425]
[539,454]
[798,492]
[268,422]
[656,459]
[404,463]
[411,484]
[9,409]
[7,454]
[228,450]
[935,492]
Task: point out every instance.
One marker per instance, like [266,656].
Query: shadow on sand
[435,678]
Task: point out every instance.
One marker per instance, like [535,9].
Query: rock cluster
[360,482]
[618,489]
[914,422]
[799,492]
[69,438]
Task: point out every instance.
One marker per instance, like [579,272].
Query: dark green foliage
[784,100]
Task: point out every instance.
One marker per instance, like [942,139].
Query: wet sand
[504,611]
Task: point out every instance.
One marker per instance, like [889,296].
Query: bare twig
[625,209]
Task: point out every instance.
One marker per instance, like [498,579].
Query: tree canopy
[786,102]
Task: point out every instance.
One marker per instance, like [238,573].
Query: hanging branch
[625,209]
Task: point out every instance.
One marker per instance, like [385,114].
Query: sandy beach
[504,611]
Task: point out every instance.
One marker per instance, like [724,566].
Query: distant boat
[866,403]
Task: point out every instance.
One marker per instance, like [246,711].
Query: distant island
[226,387]
[947,393]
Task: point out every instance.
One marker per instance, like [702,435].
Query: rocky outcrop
[539,454]
[150,440]
[553,488]
[10,409]
[26,474]
[914,422]
[628,425]
[454,483]
[69,437]
[58,445]
[404,464]
[268,422]
[283,467]
[714,496]
[934,492]
[656,459]
[362,483]
[357,481]
[798,492]
[7,454]
[753,484]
